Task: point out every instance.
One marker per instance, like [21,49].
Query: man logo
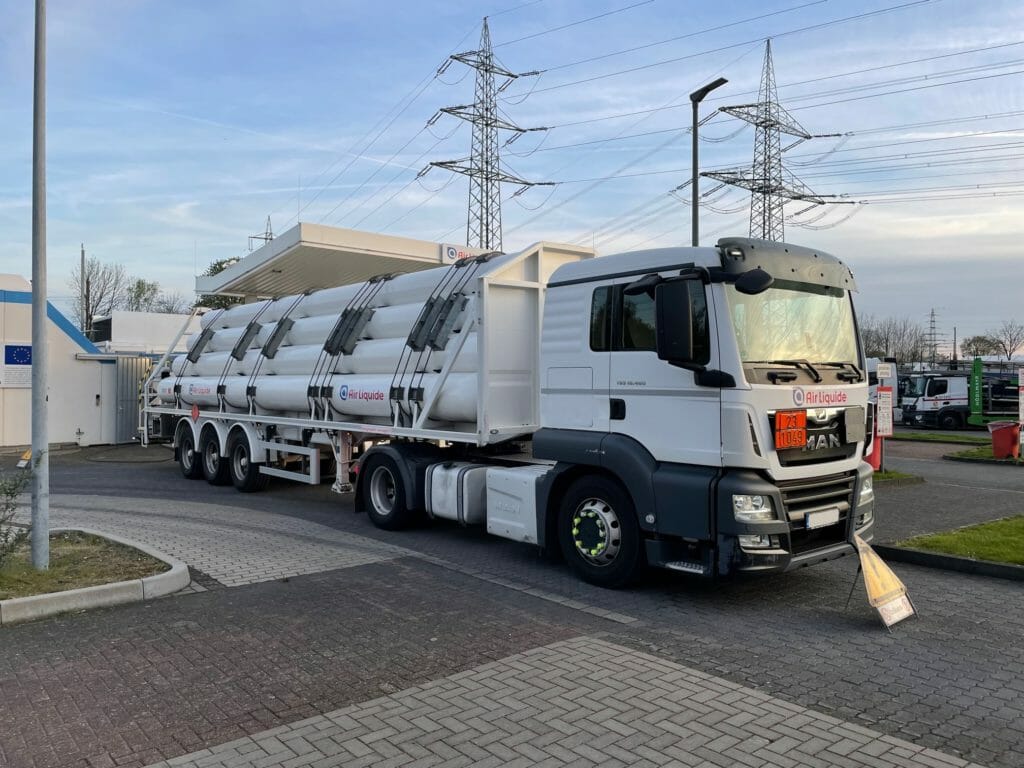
[343,392]
[798,396]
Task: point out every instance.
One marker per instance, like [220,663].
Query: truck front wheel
[598,532]
[950,420]
[384,493]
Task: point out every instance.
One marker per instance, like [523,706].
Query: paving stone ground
[233,545]
[140,684]
[579,702]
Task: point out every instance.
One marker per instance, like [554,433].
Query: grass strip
[892,474]
[1001,541]
[931,437]
[76,560]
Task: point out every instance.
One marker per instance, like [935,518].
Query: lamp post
[696,98]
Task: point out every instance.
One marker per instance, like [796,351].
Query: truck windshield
[916,386]
[794,321]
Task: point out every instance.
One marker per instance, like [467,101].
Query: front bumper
[792,544]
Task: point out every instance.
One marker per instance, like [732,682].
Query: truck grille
[812,495]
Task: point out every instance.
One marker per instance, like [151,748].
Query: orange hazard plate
[790,429]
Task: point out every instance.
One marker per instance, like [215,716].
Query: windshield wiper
[801,364]
[854,374]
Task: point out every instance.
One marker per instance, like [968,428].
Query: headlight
[747,508]
[867,489]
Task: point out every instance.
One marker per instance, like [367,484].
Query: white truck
[698,409]
[936,400]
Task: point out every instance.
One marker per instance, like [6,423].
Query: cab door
[657,404]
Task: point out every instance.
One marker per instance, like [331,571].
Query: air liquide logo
[454,253]
[819,398]
[351,393]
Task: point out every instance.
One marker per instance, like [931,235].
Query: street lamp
[696,98]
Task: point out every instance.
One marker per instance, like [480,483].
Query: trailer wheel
[245,473]
[216,468]
[385,493]
[188,456]
[950,420]
[598,532]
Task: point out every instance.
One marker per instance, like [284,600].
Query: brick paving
[950,680]
[580,702]
[137,684]
[234,546]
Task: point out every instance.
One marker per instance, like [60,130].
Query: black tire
[216,469]
[599,534]
[950,420]
[188,457]
[245,473]
[384,493]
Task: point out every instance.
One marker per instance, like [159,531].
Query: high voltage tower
[770,184]
[483,166]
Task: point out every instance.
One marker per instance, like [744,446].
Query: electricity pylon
[483,166]
[770,184]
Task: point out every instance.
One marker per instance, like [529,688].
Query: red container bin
[1005,439]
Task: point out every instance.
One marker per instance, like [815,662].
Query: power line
[719,49]
[573,24]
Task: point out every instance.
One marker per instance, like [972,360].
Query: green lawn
[891,474]
[981,452]
[1001,541]
[76,560]
[930,437]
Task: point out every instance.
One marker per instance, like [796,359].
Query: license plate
[790,429]
[821,518]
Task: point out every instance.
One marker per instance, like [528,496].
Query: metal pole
[696,98]
[81,285]
[40,435]
[694,240]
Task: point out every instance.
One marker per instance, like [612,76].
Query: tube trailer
[698,409]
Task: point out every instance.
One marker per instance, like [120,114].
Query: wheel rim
[383,490]
[596,532]
[188,454]
[212,457]
[240,461]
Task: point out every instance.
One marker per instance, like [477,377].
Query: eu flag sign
[17,354]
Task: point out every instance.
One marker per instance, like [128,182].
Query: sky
[176,128]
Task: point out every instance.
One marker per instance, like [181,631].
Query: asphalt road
[949,679]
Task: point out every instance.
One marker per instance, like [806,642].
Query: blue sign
[17,354]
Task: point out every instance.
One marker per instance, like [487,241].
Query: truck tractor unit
[936,400]
[698,409]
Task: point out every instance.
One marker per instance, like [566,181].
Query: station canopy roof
[312,256]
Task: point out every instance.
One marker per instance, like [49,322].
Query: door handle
[617,408]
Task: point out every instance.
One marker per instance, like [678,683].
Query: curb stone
[20,609]
[997,462]
[951,562]
[898,482]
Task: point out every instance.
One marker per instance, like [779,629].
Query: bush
[11,536]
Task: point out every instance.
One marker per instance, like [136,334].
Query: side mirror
[754,281]
[674,322]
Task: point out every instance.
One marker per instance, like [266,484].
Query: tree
[141,295]
[976,346]
[898,337]
[105,286]
[1009,337]
[172,304]
[217,302]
